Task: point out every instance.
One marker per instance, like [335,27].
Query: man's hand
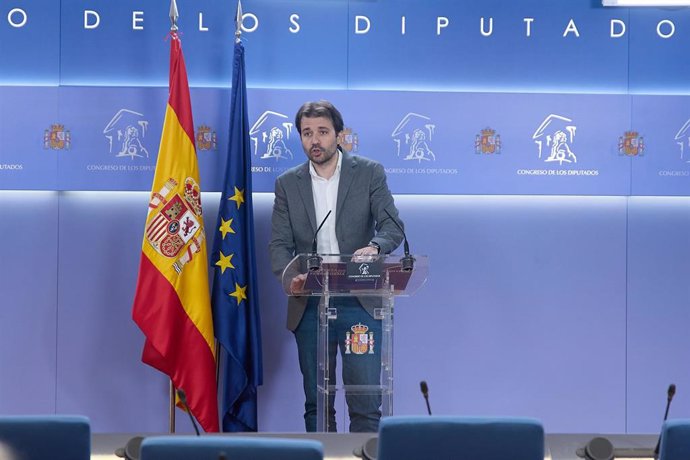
[297,284]
[365,254]
[366,251]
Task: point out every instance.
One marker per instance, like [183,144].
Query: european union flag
[235,295]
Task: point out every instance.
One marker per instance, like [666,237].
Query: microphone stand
[183,399]
[670,393]
[314,260]
[407,261]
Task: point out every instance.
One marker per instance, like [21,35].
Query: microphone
[597,449]
[601,448]
[183,400]
[425,392]
[314,260]
[131,450]
[407,260]
[670,394]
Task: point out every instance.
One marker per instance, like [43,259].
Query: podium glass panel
[374,281]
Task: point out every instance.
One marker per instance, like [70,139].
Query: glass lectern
[380,278]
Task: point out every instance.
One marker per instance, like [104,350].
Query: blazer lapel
[306,193]
[346,176]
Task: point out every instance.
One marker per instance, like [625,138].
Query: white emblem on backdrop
[269,134]
[125,132]
[555,137]
[683,140]
[413,137]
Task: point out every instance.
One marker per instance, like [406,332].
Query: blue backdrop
[495,97]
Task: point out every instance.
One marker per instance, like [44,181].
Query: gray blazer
[363,195]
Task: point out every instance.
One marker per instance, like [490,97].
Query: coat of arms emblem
[57,138]
[349,141]
[631,144]
[206,139]
[487,142]
[359,341]
[176,228]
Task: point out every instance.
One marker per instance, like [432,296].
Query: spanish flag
[172,303]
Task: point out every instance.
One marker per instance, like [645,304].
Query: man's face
[319,139]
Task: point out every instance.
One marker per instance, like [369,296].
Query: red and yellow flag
[171,304]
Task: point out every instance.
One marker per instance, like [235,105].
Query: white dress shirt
[325,193]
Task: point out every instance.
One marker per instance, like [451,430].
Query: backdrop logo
[487,142]
[554,138]
[413,137]
[206,138]
[631,144]
[683,140]
[348,140]
[57,137]
[125,132]
[269,134]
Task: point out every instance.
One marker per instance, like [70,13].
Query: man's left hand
[365,254]
[366,251]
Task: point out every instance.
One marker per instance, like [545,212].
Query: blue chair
[675,440]
[460,438]
[233,447]
[37,437]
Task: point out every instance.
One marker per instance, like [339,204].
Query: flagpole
[238,21]
[173,16]
[171,410]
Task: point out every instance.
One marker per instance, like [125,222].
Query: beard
[320,155]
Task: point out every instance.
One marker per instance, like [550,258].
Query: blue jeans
[358,369]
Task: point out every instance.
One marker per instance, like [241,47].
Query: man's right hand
[297,284]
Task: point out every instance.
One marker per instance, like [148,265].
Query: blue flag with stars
[235,294]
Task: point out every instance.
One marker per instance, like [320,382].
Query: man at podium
[353,189]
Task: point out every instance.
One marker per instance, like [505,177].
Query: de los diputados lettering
[18,17]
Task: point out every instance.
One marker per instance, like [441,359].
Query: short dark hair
[317,109]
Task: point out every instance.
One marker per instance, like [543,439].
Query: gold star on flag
[225,227]
[238,197]
[225,262]
[240,293]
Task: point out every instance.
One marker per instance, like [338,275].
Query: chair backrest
[37,437]
[460,438]
[675,440]
[234,448]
